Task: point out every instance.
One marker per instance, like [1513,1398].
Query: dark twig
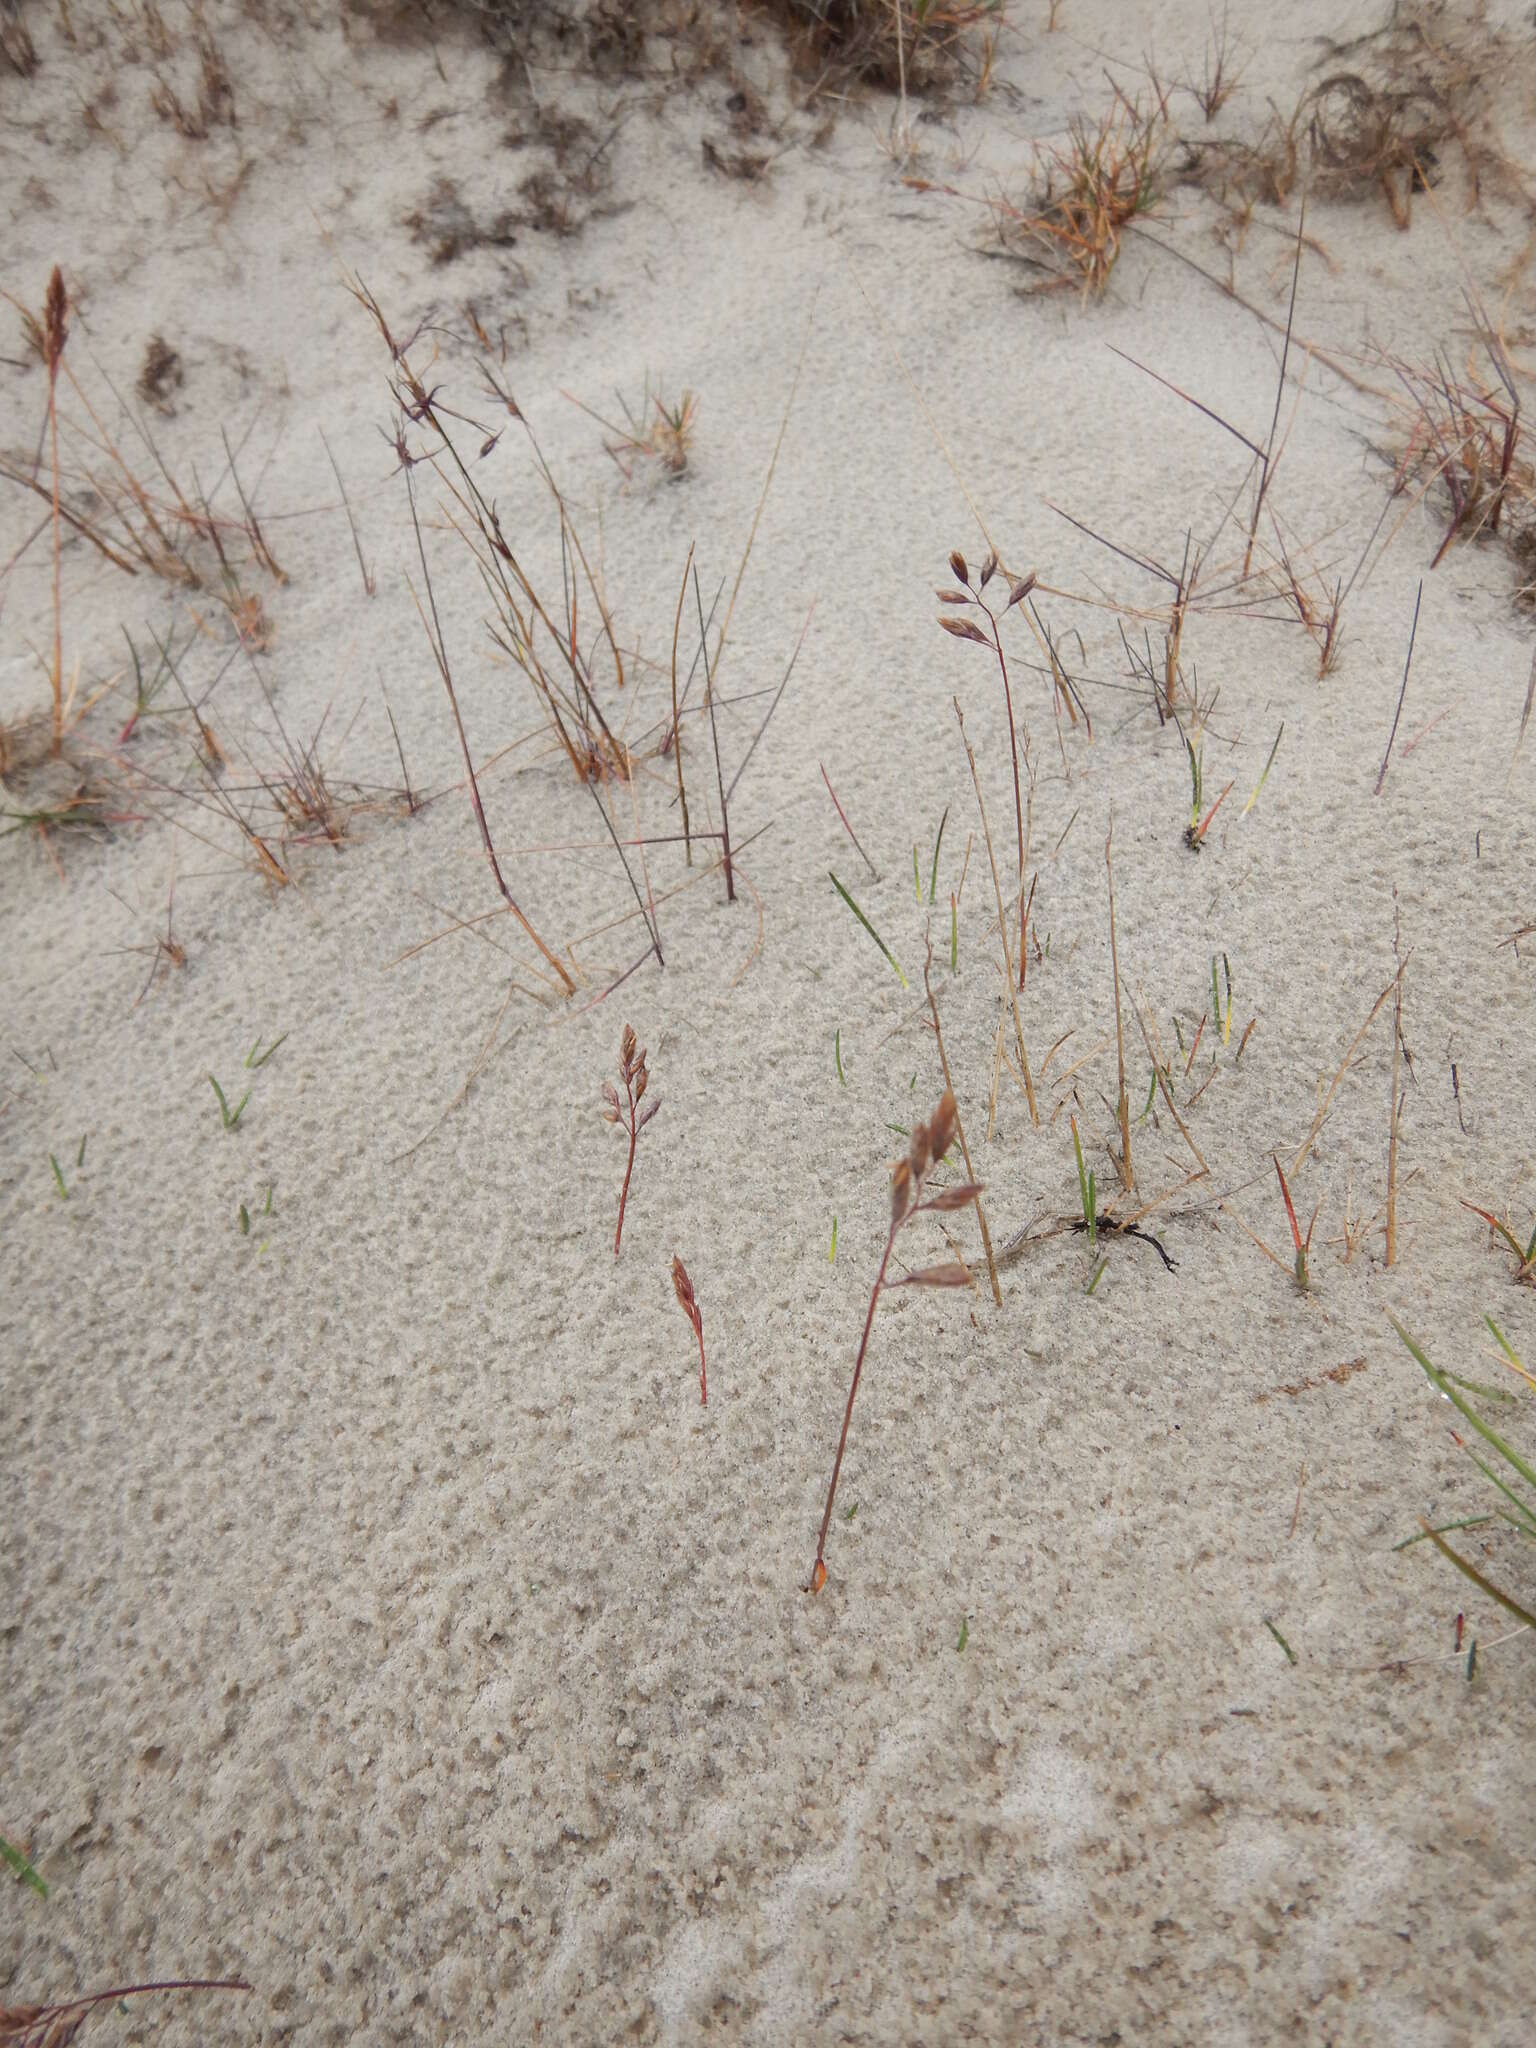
[1402,693]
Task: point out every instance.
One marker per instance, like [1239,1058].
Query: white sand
[381,1617]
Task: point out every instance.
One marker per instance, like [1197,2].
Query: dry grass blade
[1123,1107]
[1002,919]
[1089,191]
[440,655]
[54,2026]
[965,1150]
[929,1142]
[1333,1087]
[55,333]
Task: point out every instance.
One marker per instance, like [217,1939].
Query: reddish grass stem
[632,1072]
[929,1143]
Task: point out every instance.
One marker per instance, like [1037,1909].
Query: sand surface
[383,1620]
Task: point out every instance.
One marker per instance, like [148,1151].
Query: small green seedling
[251,1060]
[863,920]
[22,1867]
[1280,1639]
[1196,829]
[245,1221]
[1094,1278]
[1223,1016]
[933,873]
[832,1248]
[59,1177]
[1526,1253]
[1303,1244]
[1151,1092]
[1247,807]
[837,1055]
[1088,1190]
[849,1513]
[231,1116]
[80,1155]
[965,1632]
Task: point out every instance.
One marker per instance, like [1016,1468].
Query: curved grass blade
[863,920]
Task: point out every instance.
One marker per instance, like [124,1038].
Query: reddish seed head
[818,1576]
[957,565]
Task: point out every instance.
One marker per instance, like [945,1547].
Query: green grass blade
[933,873]
[1280,1639]
[58,1176]
[1247,807]
[1471,1522]
[837,1055]
[22,1867]
[1483,1585]
[1527,1516]
[251,1060]
[1507,1452]
[863,920]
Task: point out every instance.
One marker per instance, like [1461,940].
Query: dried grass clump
[1462,435]
[1366,137]
[898,45]
[1378,123]
[1088,192]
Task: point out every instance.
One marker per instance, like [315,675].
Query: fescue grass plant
[909,1200]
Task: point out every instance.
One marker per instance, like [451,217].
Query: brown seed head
[1020,590]
[919,1153]
[957,565]
[989,569]
[901,1190]
[682,1285]
[941,1125]
[55,322]
[627,1046]
[818,1576]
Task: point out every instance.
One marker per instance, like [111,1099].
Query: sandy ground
[382,1618]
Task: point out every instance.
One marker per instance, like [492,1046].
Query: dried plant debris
[16,44]
[1461,443]
[911,45]
[160,375]
[1392,109]
[448,228]
[1088,190]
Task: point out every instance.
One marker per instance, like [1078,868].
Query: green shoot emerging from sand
[1520,1513]
[929,1143]
[688,1302]
[231,1116]
[629,1114]
[22,1868]
[1524,1253]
